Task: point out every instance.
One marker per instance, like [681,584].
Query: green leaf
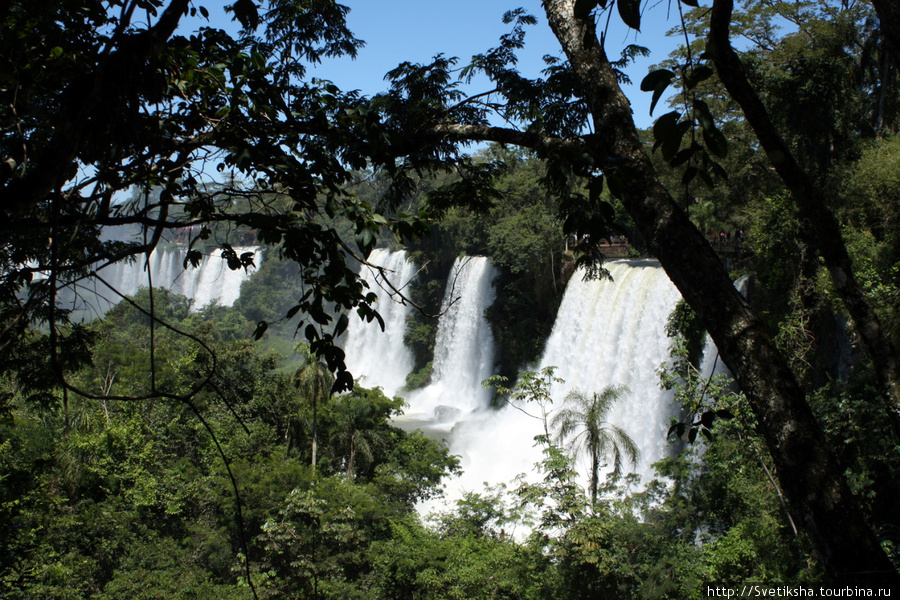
[653,79]
[343,382]
[702,113]
[657,82]
[715,141]
[657,93]
[365,239]
[318,315]
[677,429]
[672,144]
[341,325]
[683,156]
[665,127]
[698,74]
[247,13]
[616,185]
[717,169]
[630,11]
[195,257]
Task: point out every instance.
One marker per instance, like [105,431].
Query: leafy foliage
[118,497]
[112,435]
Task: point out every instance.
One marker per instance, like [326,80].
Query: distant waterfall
[379,358]
[464,348]
[212,280]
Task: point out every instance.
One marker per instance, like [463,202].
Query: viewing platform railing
[618,246]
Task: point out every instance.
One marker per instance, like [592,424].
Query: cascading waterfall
[379,358]
[464,347]
[612,333]
[606,333]
[211,280]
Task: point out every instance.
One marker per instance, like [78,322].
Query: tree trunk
[811,479]
[352,455]
[315,432]
[888,12]
[829,240]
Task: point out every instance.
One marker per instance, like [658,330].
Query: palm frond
[582,426]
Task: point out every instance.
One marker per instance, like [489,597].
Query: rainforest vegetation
[171,451]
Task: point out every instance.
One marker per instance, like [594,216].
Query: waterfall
[613,333]
[379,358]
[606,333]
[211,280]
[464,347]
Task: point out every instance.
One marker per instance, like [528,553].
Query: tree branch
[485,133]
[83,98]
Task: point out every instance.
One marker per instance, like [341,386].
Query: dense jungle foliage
[184,459]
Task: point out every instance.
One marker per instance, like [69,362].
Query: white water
[211,281]
[379,358]
[606,333]
[612,333]
[464,347]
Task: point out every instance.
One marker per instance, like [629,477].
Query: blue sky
[416,31]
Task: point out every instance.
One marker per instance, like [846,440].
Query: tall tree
[811,200]
[97,102]
[809,474]
[313,379]
[584,418]
[889,15]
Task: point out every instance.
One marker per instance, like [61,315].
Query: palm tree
[585,417]
[313,379]
[355,419]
